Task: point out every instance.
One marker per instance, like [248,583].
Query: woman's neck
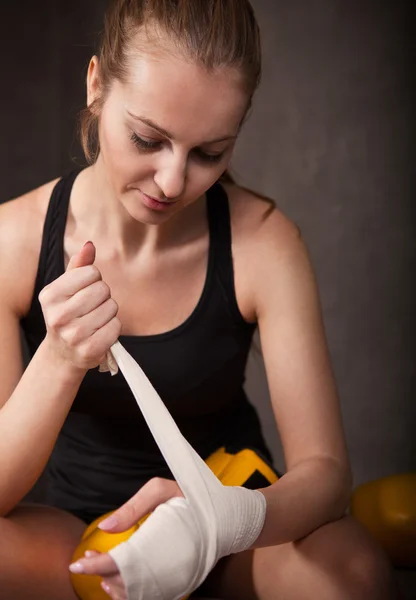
[97,214]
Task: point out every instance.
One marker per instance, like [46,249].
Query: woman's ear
[93,80]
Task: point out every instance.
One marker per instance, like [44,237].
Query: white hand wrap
[174,550]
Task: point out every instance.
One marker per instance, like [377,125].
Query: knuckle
[52,323]
[73,337]
[44,295]
[117,326]
[94,272]
[112,310]
[86,352]
[114,306]
[56,320]
[104,289]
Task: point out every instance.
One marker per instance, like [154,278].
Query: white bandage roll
[178,545]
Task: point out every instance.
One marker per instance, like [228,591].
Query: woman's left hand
[154,492]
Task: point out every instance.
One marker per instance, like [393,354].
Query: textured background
[331,139]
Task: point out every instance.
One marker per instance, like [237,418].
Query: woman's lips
[155,204]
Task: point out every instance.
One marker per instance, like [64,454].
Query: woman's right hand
[80,315]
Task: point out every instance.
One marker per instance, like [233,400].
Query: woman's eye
[155,145]
[143,144]
[208,158]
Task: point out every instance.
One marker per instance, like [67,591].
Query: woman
[184,265]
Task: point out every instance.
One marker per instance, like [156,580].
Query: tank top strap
[51,256]
[219,219]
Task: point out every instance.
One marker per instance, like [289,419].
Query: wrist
[249,513]
[61,365]
[253,519]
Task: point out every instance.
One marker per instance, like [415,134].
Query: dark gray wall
[45,47]
[330,138]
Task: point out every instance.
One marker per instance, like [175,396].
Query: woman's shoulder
[257,222]
[268,250]
[21,226]
[22,219]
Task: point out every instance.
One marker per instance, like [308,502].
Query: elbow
[339,478]
[343,490]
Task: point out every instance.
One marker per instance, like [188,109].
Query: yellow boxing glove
[244,468]
[387,508]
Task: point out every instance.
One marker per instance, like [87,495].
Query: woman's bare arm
[36,402]
[284,295]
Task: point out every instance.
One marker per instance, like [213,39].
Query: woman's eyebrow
[169,135]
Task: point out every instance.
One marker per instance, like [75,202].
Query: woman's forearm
[311,494]
[30,422]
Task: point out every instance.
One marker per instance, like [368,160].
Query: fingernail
[106,587]
[86,244]
[109,523]
[89,553]
[76,568]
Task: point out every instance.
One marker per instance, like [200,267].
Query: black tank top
[105,452]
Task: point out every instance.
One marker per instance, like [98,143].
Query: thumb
[84,257]
[137,509]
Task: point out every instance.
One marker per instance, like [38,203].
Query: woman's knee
[35,551]
[344,555]
[360,566]
[367,574]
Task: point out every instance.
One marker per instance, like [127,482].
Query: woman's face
[168,134]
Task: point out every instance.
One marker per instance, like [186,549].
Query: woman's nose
[171,176]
